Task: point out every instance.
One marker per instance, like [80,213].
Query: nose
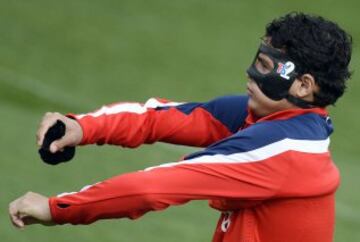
[249,79]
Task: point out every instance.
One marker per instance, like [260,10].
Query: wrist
[78,129]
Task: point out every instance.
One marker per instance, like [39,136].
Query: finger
[15,224]
[14,221]
[13,213]
[18,222]
[27,220]
[43,128]
[60,144]
[42,131]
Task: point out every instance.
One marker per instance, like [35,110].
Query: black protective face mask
[276,83]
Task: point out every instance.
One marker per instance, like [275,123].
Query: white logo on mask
[285,69]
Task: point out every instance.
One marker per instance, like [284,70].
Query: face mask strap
[274,53]
[299,102]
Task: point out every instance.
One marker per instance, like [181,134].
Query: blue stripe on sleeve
[229,110]
[304,127]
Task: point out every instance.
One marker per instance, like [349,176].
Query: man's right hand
[73,134]
[31,208]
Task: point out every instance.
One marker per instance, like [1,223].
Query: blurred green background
[75,55]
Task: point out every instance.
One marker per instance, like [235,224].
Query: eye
[263,63]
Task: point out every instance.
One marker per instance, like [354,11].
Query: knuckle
[29,193]
[11,208]
[24,203]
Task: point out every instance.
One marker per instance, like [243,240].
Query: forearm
[129,195]
[133,124]
[134,194]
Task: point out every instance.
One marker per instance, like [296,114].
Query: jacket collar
[283,115]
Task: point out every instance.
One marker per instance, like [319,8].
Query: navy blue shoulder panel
[303,127]
[229,110]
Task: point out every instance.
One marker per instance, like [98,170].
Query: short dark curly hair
[318,47]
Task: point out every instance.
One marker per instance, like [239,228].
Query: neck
[281,105]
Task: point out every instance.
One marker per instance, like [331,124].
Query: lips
[248,89]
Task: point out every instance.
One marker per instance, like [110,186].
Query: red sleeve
[133,124]
[132,195]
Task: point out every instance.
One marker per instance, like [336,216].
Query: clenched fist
[32,208]
[73,134]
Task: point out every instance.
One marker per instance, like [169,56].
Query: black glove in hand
[55,132]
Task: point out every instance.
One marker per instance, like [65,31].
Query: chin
[253,106]
[251,103]
[262,107]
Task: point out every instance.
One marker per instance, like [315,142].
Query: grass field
[75,55]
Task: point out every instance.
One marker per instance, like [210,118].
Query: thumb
[21,218]
[58,145]
[17,221]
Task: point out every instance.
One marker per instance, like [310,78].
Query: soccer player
[266,165]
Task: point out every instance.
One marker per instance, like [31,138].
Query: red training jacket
[273,179]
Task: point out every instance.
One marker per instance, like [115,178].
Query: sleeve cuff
[55,215]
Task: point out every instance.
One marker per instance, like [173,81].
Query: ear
[304,87]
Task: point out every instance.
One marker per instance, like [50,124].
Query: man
[266,167]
